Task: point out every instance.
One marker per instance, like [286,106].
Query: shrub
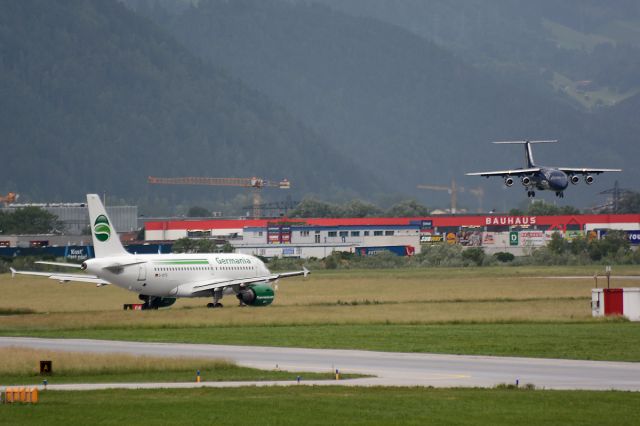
[504,256]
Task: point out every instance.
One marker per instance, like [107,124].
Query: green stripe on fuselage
[182,262]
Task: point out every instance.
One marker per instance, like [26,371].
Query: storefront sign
[510,220]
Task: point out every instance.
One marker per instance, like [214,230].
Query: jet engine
[508,181]
[575,179]
[256,295]
[588,179]
[526,180]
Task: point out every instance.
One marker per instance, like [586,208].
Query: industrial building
[75,216]
[319,237]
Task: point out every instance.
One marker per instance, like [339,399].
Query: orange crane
[256,185]
[11,197]
[453,190]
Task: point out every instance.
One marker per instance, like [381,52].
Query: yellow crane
[254,183]
[453,191]
[11,197]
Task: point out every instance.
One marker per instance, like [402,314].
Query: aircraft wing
[514,172]
[206,286]
[577,170]
[63,278]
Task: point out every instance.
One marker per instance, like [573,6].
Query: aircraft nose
[559,183]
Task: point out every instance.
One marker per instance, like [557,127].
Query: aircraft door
[142,273]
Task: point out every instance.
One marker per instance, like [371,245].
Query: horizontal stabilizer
[63,264]
[524,142]
[63,277]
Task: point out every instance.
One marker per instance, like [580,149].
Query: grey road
[390,369]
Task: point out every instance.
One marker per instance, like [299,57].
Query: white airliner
[161,278]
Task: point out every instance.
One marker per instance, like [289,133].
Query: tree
[557,244]
[184,245]
[314,208]
[359,208]
[29,220]
[408,208]
[630,203]
[197,211]
[541,208]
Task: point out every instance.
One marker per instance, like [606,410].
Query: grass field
[495,311]
[329,405]
[20,366]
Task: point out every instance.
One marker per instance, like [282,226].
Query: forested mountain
[397,103]
[588,50]
[96,98]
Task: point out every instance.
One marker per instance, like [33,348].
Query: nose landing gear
[531,194]
[560,194]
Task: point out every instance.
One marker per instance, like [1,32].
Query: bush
[504,256]
[474,254]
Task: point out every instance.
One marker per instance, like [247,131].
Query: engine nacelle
[508,181]
[588,179]
[257,295]
[575,179]
[526,181]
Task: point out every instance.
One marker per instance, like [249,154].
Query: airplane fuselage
[162,275]
[550,179]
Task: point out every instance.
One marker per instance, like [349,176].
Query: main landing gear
[531,194]
[217,295]
[560,194]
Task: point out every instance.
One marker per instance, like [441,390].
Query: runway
[390,368]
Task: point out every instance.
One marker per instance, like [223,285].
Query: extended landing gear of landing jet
[215,305]
[560,194]
[531,194]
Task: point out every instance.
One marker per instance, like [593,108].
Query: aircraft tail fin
[527,149]
[106,242]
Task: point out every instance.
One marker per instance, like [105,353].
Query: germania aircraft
[542,177]
[161,278]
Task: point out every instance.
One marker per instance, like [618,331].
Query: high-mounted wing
[577,170]
[192,289]
[64,277]
[514,172]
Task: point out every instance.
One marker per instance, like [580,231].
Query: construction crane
[11,197]
[276,208]
[453,191]
[255,184]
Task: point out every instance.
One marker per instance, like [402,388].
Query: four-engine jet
[542,177]
[161,278]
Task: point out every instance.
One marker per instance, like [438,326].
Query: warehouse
[318,237]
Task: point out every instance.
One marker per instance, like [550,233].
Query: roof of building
[439,221]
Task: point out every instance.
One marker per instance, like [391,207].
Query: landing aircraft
[161,278]
[542,177]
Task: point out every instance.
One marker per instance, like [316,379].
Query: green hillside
[588,50]
[403,107]
[96,98]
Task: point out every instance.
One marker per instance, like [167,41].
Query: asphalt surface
[390,368]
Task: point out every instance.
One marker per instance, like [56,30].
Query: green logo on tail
[101,228]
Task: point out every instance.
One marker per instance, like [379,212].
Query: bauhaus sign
[510,220]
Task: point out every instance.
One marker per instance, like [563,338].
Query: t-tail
[527,149]
[106,242]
